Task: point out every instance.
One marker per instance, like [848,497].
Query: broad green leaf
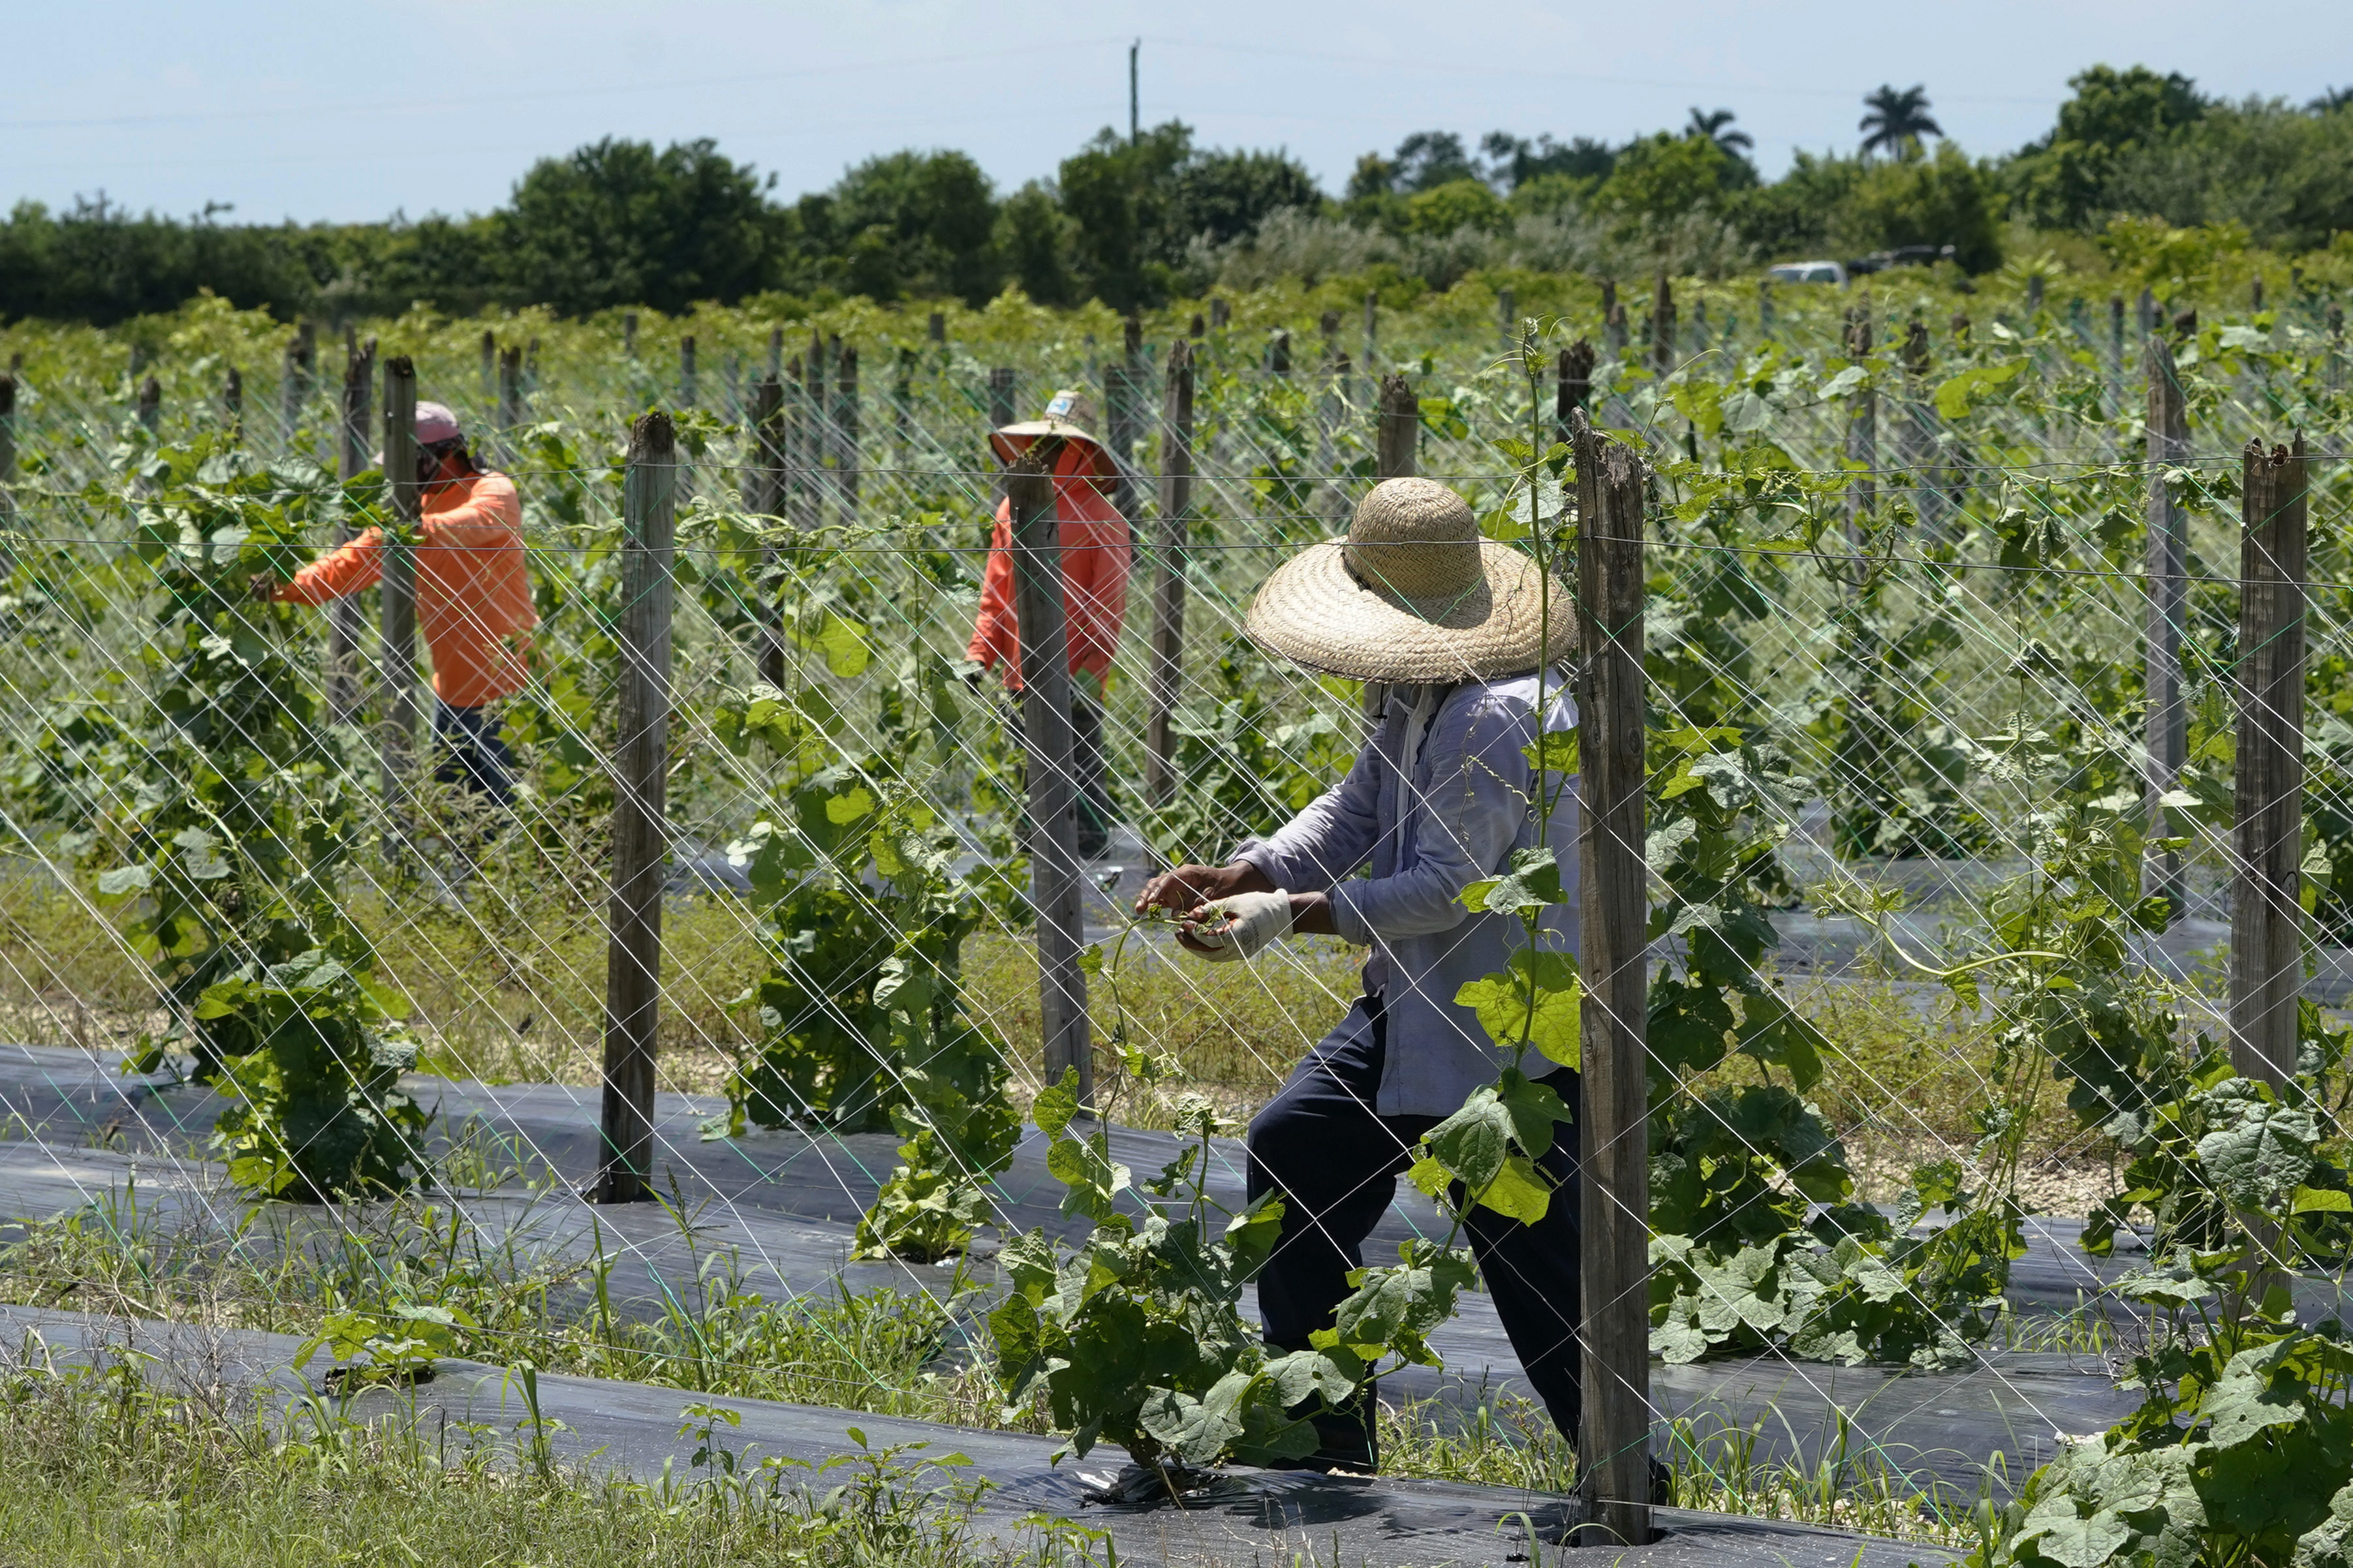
[2323,1200]
[843,809]
[843,643]
[1553,752]
[1519,1190]
[1537,1002]
[124,879]
[1473,1141]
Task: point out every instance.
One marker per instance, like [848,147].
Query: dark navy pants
[1335,1162]
[473,752]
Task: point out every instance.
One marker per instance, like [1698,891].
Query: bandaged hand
[1240,926]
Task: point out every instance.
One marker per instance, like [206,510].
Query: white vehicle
[1807,272]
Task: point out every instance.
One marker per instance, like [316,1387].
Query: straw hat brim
[1031,429]
[1314,611]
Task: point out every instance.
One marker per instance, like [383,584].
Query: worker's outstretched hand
[1187,888]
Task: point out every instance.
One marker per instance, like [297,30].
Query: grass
[97,1468]
[1719,1467]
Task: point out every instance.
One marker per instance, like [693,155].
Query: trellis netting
[1941,945]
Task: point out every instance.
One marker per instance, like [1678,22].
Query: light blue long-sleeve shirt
[1470,804]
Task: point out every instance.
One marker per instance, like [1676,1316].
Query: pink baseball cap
[434,424]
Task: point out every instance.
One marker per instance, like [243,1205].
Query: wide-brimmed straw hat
[1069,413]
[1412,594]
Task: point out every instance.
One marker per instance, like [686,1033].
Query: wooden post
[1398,431]
[233,401]
[1765,308]
[690,388]
[937,328]
[1372,330]
[1278,354]
[777,352]
[847,437]
[1576,388]
[1167,671]
[8,448]
[1196,329]
[1001,404]
[629,333]
[509,389]
[767,499]
[1916,437]
[2166,732]
[1662,328]
[294,387]
[2117,347]
[345,619]
[797,439]
[2267,844]
[1221,311]
[2144,313]
[1054,887]
[640,845]
[2255,293]
[151,406]
[397,633]
[1614,1144]
[490,362]
[1862,433]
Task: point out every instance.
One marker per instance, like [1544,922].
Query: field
[1941,938]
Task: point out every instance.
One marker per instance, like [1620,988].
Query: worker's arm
[341,573]
[993,631]
[1095,572]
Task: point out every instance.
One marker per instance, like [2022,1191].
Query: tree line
[1135,220]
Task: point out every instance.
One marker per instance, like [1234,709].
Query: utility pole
[1134,122]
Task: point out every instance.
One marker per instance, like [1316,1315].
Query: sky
[356,111]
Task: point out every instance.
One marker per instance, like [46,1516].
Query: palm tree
[1713,126]
[1896,121]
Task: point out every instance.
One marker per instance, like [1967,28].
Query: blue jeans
[1336,1163]
[474,753]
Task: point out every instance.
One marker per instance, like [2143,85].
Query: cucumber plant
[863,1024]
[228,833]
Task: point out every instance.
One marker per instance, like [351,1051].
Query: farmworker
[1094,592]
[1438,798]
[473,599]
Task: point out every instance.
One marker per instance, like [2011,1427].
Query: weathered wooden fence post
[848,428]
[345,617]
[629,333]
[1167,674]
[1221,314]
[233,402]
[1614,1150]
[2167,731]
[689,377]
[1398,429]
[1863,431]
[7,450]
[151,406]
[1662,328]
[396,632]
[640,846]
[1915,435]
[1001,402]
[510,413]
[1278,354]
[935,328]
[2267,847]
[1576,385]
[294,382]
[767,499]
[1372,330]
[1054,887]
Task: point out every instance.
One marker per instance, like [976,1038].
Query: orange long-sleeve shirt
[473,589]
[1094,578]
